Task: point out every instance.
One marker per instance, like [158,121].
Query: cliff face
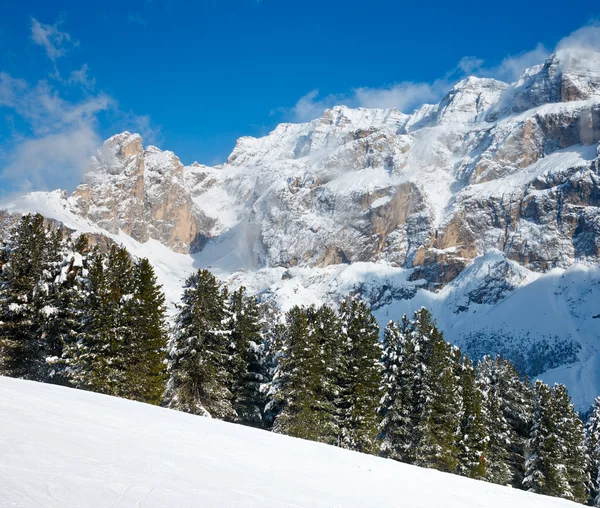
[140,192]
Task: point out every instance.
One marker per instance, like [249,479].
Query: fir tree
[25,282]
[146,355]
[396,426]
[557,466]
[592,445]
[507,405]
[198,351]
[246,358]
[300,382]
[472,457]
[438,428]
[359,378]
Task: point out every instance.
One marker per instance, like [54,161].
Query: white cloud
[404,96]
[469,64]
[81,77]
[137,19]
[586,38]
[56,160]
[61,135]
[51,38]
[512,67]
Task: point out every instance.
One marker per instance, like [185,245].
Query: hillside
[62,447]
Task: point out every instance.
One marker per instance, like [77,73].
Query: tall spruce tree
[25,282]
[438,428]
[246,362]
[557,466]
[508,404]
[359,378]
[396,428]
[592,445]
[146,354]
[301,381]
[199,352]
[473,439]
[65,312]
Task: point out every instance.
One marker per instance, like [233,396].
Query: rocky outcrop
[140,192]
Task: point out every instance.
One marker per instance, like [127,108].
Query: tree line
[95,320]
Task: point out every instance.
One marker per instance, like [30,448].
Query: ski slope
[66,448]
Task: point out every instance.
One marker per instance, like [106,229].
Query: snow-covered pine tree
[545,471]
[146,355]
[302,378]
[325,330]
[246,363]
[440,404]
[198,352]
[557,466]
[25,281]
[396,427]
[64,307]
[98,359]
[507,409]
[473,440]
[592,445]
[359,378]
[571,430]
[275,333]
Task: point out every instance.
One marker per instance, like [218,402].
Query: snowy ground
[66,448]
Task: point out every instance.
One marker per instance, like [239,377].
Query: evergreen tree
[246,364]
[272,359]
[396,428]
[146,354]
[64,310]
[198,351]
[359,378]
[508,413]
[301,381]
[592,445]
[25,281]
[101,357]
[572,434]
[473,440]
[438,428]
[557,466]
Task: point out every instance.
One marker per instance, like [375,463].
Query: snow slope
[66,448]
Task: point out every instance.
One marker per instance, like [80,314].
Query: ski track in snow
[68,448]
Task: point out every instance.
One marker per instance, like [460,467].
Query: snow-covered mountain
[484,207]
[63,447]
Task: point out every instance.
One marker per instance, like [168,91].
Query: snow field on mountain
[65,448]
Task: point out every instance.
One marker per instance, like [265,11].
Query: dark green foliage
[557,466]
[146,355]
[508,413]
[198,351]
[473,441]
[440,401]
[399,415]
[359,378]
[119,346]
[32,261]
[302,379]
[592,446]
[246,358]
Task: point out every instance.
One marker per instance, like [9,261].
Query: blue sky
[193,76]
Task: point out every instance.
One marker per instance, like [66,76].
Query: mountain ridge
[463,206]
